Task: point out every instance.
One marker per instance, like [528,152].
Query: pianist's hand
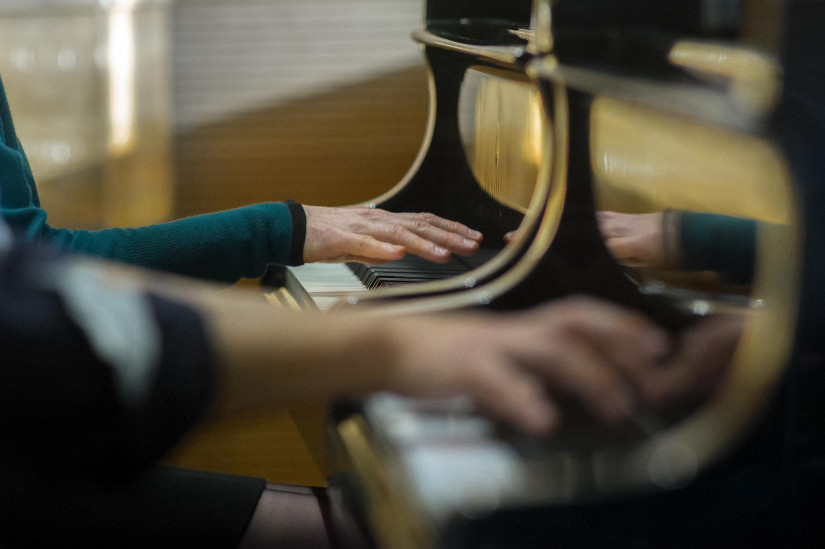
[702,356]
[635,240]
[638,240]
[518,365]
[375,236]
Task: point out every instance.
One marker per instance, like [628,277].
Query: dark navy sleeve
[63,409]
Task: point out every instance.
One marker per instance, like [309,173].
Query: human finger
[629,338]
[446,224]
[513,395]
[584,349]
[348,246]
[620,248]
[594,351]
[628,252]
[436,231]
[579,371]
[703,356]
[397,234]
[611,224]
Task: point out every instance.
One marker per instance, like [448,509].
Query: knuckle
[371,214]
[421,226]
[362,243]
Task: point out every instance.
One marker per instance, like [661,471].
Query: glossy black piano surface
[544,114]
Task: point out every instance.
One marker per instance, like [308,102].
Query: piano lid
[662,185]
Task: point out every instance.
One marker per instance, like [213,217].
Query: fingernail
[470,243]
[441,251]
[475,235]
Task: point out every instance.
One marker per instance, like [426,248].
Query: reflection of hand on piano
[517,366]
[683,240]
[638,240]
[370,235]
[702,357]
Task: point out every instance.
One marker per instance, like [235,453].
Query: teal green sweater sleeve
[223,246]
[720,243]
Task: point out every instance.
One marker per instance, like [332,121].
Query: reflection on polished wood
[751,76]
[334,148]
[687,135]
[93,114]
[658,143]
[646,161]
[502,135]
[395,520]
[267,445]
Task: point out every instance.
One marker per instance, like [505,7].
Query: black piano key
[413,269]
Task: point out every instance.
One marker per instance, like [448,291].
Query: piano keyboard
[328,283]
[451,456]
[436,464]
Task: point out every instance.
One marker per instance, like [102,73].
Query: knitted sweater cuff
[299,232]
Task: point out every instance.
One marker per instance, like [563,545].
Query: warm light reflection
[534,126]
[751,76]
[645,161]
[541,35]
[121,60]
[501,124]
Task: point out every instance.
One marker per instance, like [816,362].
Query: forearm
[222,246]
[271,357]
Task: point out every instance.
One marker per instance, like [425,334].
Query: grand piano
[543,116]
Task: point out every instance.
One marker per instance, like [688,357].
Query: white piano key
[327,283]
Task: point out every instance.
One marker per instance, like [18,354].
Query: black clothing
[77,446]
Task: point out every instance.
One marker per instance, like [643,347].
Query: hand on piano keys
[520,366]
[371,235]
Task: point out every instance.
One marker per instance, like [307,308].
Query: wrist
[671,238]
[299,232]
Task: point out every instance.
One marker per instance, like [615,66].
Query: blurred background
[138,111]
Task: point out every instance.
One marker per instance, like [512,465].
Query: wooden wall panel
[335,117]
[266,445]
[338,147]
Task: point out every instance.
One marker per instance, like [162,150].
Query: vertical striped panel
[237,56]
[322,101]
